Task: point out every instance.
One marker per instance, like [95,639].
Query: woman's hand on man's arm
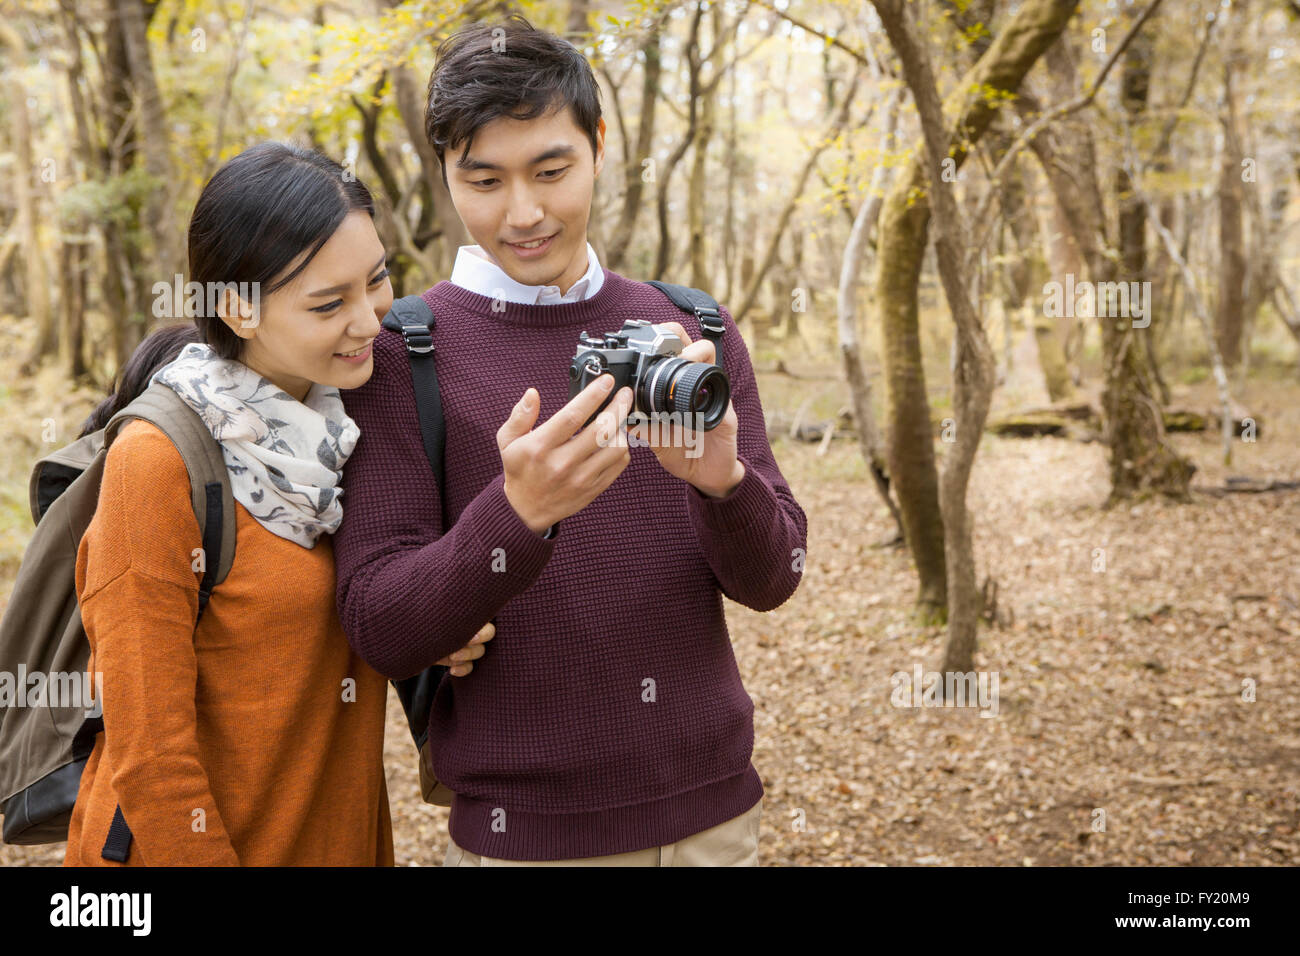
[461,662]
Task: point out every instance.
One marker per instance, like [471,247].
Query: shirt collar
[477,273]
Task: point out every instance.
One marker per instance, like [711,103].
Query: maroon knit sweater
[607,714]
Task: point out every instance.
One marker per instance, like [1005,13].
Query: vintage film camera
[644,356]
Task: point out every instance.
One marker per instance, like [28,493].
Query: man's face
[525,180]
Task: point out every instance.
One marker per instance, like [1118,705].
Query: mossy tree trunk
[904,225]
[974,367]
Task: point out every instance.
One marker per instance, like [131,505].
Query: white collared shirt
[477,273]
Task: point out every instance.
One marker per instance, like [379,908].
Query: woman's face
[304,329]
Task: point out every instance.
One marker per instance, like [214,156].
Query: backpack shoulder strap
[210,491]
[412,318]
[52,475]
[214,507]
[700,304]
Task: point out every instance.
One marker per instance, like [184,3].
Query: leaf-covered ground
[1120,690]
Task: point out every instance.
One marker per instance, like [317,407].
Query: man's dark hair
[489,70]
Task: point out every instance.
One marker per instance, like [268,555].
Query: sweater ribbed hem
[521,835]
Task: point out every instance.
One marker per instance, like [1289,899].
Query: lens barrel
[673,385]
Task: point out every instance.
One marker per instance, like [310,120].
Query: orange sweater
[256,741]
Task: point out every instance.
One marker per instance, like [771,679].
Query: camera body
[645,357]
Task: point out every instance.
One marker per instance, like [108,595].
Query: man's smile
[533,248]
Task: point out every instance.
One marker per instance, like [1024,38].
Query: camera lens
[696,392]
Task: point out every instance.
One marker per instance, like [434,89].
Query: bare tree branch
[1043,121]
[864,58]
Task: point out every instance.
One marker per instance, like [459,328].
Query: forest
[1019,279]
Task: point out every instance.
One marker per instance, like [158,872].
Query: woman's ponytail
[160,348]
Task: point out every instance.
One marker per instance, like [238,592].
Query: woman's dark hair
[158,349]
[489,70]
[258,213]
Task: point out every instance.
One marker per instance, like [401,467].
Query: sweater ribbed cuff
[750,502]
[496,524]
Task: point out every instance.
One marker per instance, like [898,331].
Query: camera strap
[700,304]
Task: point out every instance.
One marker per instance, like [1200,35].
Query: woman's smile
[355,357]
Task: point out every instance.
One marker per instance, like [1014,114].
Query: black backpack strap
[700,304]
[118,844]
[211,543]
[412,318]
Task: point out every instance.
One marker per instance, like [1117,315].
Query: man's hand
[460,661]
[711,465]
[551,473]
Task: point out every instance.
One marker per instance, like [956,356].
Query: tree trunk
[576,23]
[27,198]
[903,228]
[663,254]
[973,371]
[869,441]
[163,225]
[1226,417]
[1024,279]
[697,205]
[1230,314]
[1165,276]
[445,220]
[1067,333]
[87,169]
[72,318]
[633,184]
[313,69]
[1141,458]
[729,217]
[1141,461]
[124,280]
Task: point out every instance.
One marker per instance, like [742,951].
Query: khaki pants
[733,843]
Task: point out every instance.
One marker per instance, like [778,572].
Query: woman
[257,738]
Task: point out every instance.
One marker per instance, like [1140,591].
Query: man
[607,724]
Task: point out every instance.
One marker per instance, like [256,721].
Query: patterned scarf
[285,457]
